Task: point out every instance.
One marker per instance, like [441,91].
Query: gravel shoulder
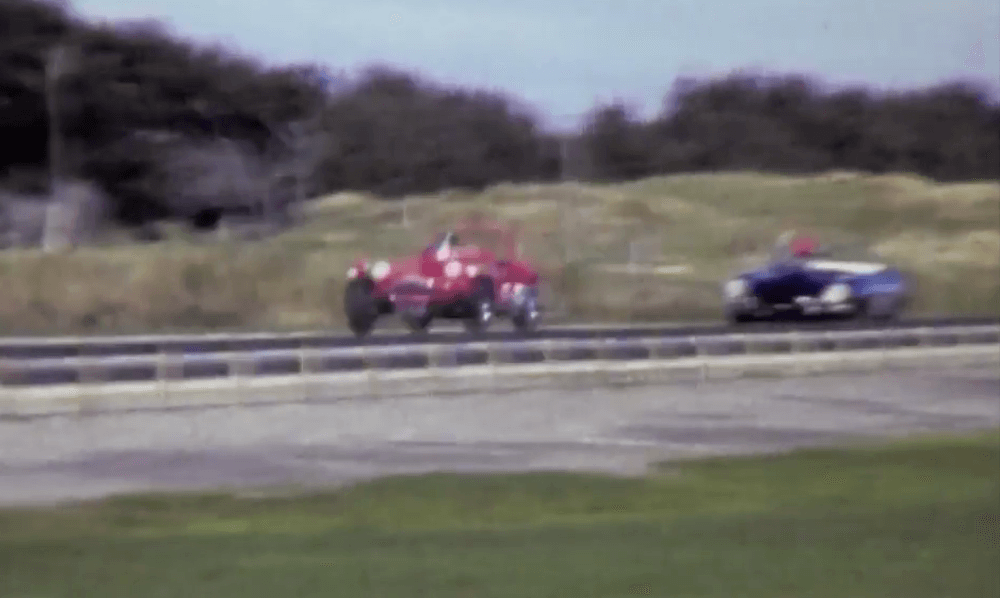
[605,430]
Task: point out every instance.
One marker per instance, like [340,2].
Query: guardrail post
[491,363]
[605,375]
[702,363]
[923,334]
[163,374]
[307,370]
[5,394]
[89,384]
[374,385]
[304,385]
[741,338]
[828,337]
[883,353]
[235,366]
[650,375]
[794,342]
[434,360]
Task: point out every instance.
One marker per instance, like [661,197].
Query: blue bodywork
[798,285]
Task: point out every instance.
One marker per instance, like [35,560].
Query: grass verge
[912,519]
[684,234]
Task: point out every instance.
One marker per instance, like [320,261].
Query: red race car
[450,278]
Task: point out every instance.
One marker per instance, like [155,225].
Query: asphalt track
[39,348]
[616,431]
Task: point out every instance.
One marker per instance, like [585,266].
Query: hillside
[689,232]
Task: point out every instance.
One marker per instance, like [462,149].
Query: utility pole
[56,213]
[53,71]
[563,157]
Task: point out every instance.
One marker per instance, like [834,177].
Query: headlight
[836,293]
[735,288]
[352,273]
[380,270]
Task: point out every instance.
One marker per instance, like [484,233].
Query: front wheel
[359,306]
[528,315]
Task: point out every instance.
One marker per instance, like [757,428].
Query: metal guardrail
[167,365]
[39,348]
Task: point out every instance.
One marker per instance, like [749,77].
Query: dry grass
[947,236]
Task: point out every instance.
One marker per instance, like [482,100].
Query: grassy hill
[682,235]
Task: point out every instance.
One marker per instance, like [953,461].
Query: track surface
[621,431]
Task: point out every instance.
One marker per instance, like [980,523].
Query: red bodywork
[445,274]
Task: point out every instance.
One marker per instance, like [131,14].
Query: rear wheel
[360,307]
[481,306]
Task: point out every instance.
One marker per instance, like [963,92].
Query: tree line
[162,127]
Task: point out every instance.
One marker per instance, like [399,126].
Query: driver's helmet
[802,246]
[442,249]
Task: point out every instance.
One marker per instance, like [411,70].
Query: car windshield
[490,239]
[441,241]
[485,238]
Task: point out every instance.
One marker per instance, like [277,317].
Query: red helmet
[803,246]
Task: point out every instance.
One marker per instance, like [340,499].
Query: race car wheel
[735,317]
[481,307]
[359,306]
[528,315]
[879,309]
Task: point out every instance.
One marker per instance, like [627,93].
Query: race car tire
[527,317]
[360,307]
[736,317]
[879,309]
[481,306]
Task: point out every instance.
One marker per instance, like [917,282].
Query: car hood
[824,269]
[782,282]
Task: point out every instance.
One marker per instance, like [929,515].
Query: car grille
[408,295]
[409,288]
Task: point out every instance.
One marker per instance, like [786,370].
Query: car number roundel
[452,269]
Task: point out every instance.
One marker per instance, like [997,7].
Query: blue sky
[563,56]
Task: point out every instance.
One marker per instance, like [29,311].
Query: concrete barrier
[80,385]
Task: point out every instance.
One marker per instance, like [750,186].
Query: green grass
[946,236]
[918,518]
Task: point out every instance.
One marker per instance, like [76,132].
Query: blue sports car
[826,283]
